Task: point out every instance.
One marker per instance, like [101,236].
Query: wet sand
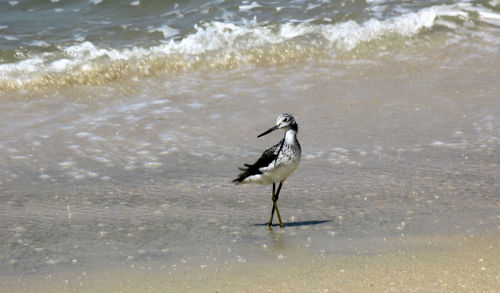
[423,264]
[127,187]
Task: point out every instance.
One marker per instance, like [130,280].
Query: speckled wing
[267,157]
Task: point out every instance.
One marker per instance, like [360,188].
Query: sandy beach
[432,264]
[401,199]
[120,138]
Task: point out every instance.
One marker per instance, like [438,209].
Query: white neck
[290,136]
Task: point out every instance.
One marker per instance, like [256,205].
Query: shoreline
[428,263]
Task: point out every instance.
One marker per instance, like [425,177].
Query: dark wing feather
[267,157]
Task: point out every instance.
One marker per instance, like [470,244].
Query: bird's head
[284,121]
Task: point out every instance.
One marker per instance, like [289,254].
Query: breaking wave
[217,45]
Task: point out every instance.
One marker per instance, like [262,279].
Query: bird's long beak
[268,131]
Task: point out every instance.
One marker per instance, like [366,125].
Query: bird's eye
[285,119]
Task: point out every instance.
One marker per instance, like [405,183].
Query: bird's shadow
[298,224]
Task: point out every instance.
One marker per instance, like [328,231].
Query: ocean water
[123,123]
[60,44]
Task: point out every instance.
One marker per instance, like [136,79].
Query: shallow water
[428,264]
[127,164]
[146,174]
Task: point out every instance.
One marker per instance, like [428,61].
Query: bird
[276,163]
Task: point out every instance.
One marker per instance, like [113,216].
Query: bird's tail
[246,171]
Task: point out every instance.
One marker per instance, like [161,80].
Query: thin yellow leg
[275,207]
[278,214]
[270,223]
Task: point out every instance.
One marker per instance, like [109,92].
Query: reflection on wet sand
[440,264]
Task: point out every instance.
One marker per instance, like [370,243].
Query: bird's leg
[275,205]
[270,223]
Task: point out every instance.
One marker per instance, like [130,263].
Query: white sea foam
[15,157]
[10,38]
[166,30]
[67,164]
[38,43]
[152,165]
[222,39]
[249,6]
[102,159]
[84,134]
[45,176]
[160,101]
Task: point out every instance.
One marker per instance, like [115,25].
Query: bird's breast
[287,162]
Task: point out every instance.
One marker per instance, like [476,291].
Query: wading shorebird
[276,163]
